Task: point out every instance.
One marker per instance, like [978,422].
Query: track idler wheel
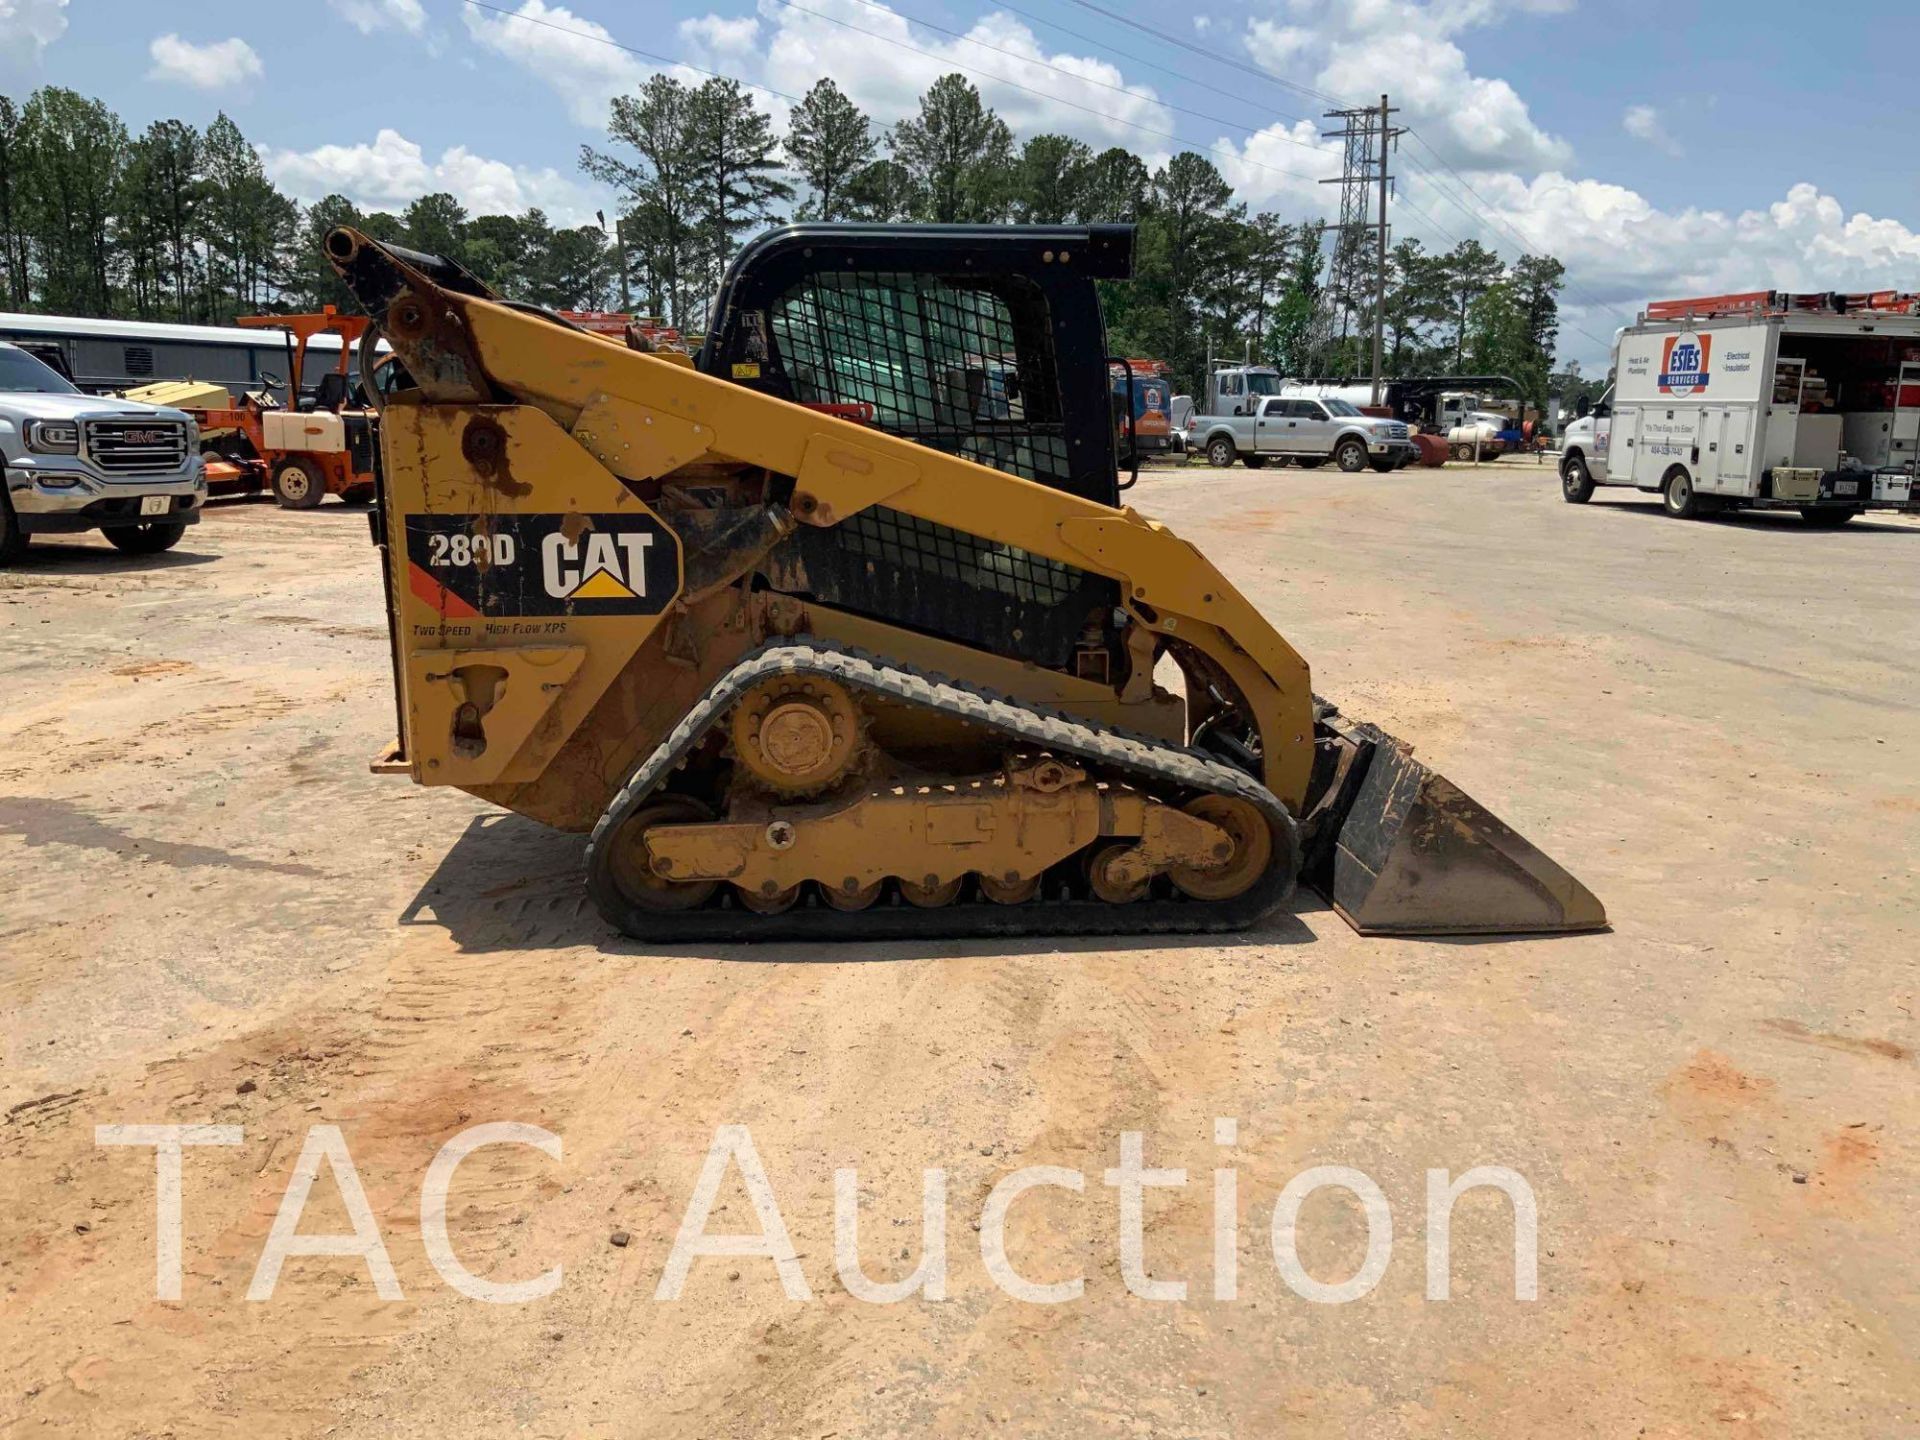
[761,902]
[930,894]
[631,866]
[1111,878]
[848,895]
[1013,891]
[1248,860]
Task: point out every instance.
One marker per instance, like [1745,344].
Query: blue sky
[1657,148]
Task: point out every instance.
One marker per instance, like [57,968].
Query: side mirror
[1601,411]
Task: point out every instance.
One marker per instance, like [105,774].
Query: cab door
[1294,416]
[1270,427]
[1312,432]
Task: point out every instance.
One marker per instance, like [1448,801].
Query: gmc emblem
[147,437]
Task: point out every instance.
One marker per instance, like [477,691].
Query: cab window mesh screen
[962,366]
[951,555]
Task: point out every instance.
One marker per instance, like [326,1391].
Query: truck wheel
[1463,453]
[1256,462]
[297,484]
[1678,495]
[1350,456]
[13,540]
[1576,484]
[1827,517]
[1220,453]
[145,539]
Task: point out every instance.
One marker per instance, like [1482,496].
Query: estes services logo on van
[1683,363]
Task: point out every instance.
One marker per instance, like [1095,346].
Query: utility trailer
[1764,401]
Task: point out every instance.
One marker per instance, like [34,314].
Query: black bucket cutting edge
[1398,849]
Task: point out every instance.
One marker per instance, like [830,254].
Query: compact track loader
[837,630]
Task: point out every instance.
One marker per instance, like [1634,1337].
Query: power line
[1061,70]
[1319,96]
[1156,64]
[1041,94]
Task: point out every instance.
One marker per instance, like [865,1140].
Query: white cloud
[786,50]
[29,27]
[1033,89]
[1643,123]
[1621,250]
[217,65]
[574,55]
[367,16]
[1281,168]
[392,171]
[1277,46]
[1356,48]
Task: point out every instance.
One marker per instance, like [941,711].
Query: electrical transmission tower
[1368,132]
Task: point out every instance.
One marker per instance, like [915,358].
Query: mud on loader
[838,630]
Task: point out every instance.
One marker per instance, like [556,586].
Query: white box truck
[1760,401]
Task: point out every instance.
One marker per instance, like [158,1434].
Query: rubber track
[891,918]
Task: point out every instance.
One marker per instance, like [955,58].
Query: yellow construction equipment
[838,629]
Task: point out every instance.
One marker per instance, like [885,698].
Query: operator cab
[982,341]
[985,342]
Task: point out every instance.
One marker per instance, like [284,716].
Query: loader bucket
[1398,849]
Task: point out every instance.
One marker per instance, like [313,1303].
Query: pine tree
[1117,188]
[881,191]
[1469,270]
[15,287]
[162,200]
[501,249]
[1052,180]
[1188,233]
[72,150]
[659,228]
[1296,335]
[736,172]
[249,228]
[1268,250]
[829,141]
[958,153]
[315,283]
[437,225]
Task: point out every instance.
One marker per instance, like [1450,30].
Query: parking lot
[212,913]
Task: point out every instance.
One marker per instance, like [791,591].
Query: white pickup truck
[1305,431]
[74,462]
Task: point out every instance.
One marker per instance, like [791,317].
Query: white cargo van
[1761,401]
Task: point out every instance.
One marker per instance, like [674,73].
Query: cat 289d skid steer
[838,630]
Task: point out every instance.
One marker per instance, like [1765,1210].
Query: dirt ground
[210,912]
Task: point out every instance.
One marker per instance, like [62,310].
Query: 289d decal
[506,565]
